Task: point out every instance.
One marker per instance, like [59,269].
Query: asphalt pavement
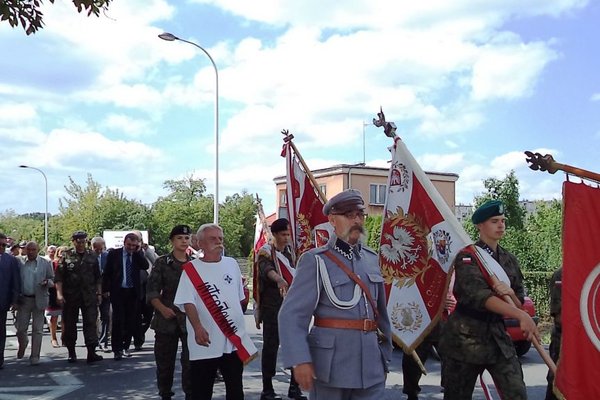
[134,378]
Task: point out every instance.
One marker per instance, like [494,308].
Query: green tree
[544,230]
[185,204]
[237,217]
[506,190]
[94,209]
[22,227]
[28,14]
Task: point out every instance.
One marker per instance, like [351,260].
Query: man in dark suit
[121,283]
[10,286]
[99,247]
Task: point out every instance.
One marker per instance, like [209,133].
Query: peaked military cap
[78,235]
[180,230]
[348,200]
[280,225]
[487,210]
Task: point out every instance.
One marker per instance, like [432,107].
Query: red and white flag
[420,237]
[260,239]
[310,227]
[578,375]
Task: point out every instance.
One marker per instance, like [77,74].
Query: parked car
[522,345]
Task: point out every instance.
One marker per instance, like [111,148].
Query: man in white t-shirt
[210,349]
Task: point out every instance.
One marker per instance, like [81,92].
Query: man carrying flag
[474,338]
[276,263]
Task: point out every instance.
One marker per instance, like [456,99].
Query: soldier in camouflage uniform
[79,286]
[555,311]
[169,322]
[474,338]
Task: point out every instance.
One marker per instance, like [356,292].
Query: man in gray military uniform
[346,353]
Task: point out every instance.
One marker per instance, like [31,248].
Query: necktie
[128,272]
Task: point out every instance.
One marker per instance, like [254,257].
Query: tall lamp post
[170,37]
[46,213]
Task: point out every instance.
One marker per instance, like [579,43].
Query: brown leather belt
[366,325]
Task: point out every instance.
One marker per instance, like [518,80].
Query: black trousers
[70,315]
[104,321]
[125,318]
[2,335]
[204,372]
[411,372]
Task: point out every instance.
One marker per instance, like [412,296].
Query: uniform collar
[346,249]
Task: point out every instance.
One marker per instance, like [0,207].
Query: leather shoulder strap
[356,279]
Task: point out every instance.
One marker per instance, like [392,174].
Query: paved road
[134,378]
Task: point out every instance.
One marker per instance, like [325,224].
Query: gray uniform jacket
[342,358]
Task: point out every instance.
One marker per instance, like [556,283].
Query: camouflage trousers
[459,378]
[70,314]
[165,354]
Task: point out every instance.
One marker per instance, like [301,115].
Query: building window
[282,198]
[377,194]
[323,189]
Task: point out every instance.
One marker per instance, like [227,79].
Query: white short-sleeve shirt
[224,280]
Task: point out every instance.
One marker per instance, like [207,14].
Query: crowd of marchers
[327,310]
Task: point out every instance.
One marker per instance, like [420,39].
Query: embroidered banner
[420,237]
[578,376]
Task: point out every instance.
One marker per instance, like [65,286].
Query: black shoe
[139,348]
[295,393]
[269,395]
[126,353]
[118,356]
[93,357]
[72,355]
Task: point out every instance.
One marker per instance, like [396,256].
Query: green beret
[487,210]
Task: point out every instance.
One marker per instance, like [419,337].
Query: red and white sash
[236,334]
[283,267]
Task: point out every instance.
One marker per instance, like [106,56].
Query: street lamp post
[170,37]
[46,213]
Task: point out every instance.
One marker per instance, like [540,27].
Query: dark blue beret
[180,230]
[280,225]
[348,200]
[487,210]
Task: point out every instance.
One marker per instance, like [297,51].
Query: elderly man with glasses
[345,355]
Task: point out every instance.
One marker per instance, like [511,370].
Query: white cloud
[128,125]
[16,114]
[595,97]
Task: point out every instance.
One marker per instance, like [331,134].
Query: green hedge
[537,285]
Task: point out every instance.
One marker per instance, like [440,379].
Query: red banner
[309,226]
[578,373]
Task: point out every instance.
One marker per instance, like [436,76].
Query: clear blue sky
[470,85]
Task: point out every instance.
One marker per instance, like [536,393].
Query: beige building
[371,181]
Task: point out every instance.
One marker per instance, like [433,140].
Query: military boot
[295,393]
[72,355]
[92,356]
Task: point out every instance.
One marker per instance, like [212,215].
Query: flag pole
[288,139]
[547,163]
[389,128]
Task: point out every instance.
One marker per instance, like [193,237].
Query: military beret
[180,230]
[78,235]
[348,200]
[280,225]
[487,210]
